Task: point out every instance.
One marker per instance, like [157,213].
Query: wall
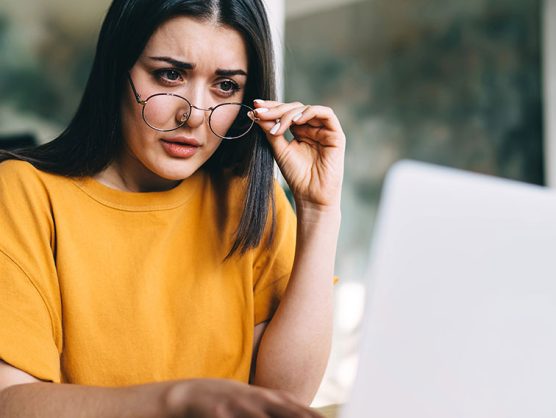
[451,82]
[446,81]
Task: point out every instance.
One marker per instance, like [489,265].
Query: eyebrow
[179,64]
[189,66]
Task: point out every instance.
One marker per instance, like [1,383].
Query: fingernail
[258,101]
[275,129]
[297,117]
[251,115]
[261,110]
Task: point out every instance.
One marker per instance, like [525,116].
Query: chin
[176,173]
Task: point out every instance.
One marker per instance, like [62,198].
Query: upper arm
[30,311]
[273,265]
[10,376]
[257,335]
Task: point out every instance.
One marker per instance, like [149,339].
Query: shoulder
[21,171]
[23,184]
[17,177]
[25,208]
[15,173]
[16,169]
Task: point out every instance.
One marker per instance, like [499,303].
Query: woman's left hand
[313,162]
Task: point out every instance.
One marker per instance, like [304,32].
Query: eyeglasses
[167,112]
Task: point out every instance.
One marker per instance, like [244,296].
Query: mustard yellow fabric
[104,287]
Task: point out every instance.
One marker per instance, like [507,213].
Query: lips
[180,147]
[182,140]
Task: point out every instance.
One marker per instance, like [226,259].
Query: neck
[128,174]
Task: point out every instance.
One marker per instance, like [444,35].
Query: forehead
[199,42]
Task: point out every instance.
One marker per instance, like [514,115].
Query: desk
[330,411]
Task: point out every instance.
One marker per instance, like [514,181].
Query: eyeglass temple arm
[137,96]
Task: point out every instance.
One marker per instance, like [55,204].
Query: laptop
[460,320]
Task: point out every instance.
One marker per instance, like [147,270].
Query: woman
[150,262]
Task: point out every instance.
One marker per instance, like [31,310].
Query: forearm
[296,344]
[74,401]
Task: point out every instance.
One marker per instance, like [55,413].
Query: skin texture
[293,348]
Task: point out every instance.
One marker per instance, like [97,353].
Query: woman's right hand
[220,398]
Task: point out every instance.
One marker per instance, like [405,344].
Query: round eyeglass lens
[230,120]
[166,112]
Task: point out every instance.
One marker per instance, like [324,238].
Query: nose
[197,117]
[197,113]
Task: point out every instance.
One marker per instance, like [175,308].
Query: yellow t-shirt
[104,287]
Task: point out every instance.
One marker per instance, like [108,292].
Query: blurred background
[454,82]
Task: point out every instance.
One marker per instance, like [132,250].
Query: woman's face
[200,61]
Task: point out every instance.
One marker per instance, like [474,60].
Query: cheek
[134,128]
[214,143]
[230,117]
[220,125]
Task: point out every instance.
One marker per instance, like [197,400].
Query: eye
[167,74]
[229,86]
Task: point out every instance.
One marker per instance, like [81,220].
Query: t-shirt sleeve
[26,333]
[273,265]
[30,307]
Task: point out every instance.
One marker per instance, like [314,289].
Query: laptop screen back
[461,314]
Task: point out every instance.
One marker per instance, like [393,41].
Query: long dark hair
[93,138]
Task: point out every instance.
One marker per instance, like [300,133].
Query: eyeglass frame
[211,109]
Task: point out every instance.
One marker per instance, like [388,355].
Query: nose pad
[182,112]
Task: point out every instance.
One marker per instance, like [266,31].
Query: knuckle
[266,393]
[222,408]
[219,410]
[226,409]
[175,400]
[272,396]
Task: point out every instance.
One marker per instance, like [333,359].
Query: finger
[275,112]
[269,126]
[279,126]
[291,410]
[281,404]
[287,120]
[248,410]
[223,411]
[314,136]
[327,117]
[278,143]
[276,128]
[320,116]
[266,103]
[289,397]
[311,142]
